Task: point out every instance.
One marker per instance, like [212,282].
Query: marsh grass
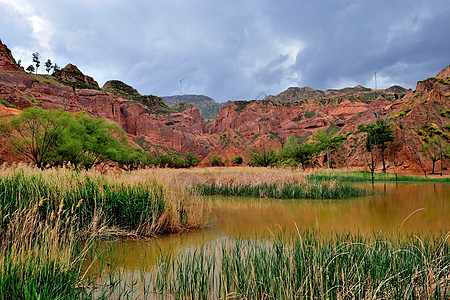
[322,190]
[365,176]
[48,221]
[343,266]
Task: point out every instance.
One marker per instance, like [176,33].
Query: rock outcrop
[72,76]
[7,61]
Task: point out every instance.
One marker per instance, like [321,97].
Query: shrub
[215,160]
[237,160]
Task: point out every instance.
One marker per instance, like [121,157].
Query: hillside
[241,125]
[208,107]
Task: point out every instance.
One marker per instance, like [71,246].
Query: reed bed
[344,266]
[48,221]
[330,190]
[259,182]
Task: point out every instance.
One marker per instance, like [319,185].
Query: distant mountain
[208,107]
[356,93]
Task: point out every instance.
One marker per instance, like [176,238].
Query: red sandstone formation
[240,125]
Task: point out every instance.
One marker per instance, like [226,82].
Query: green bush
[238,160]
[215,160]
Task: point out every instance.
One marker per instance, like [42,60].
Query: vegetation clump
[49,219]
[313,266]
[313,190]
[55,138]
[400,114]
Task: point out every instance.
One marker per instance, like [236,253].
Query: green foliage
[238,160]
[447,126]
[262,158]
[55,137]
[400,114]
[365,176]
[241,105]
[298,152]
[263,119]
[328,142]
[215,160]
[379,134]
[191,159]
[48,66]
[438,80]
[177,161]
[312,190]
[274,136]
[7,104]
[311,265]
[37,60]
[310,114]
[445,112]
[31,69]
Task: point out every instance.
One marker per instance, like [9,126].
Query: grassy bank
[365,176]
[312,190]
[311,266]
[49,219]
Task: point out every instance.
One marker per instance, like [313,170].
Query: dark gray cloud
[234,49]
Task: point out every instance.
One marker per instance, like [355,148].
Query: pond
[394,207]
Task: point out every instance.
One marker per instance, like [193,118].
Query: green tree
[191,159]
[215,160]
[380,134]
[431,149]
[299,152]
[262,158]
[135,158]
[238,160]
[48,66]
[31,69]
[327,142]
[37,60]
[94,141]
[37,133]
[56,68]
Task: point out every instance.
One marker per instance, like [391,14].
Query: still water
[393,208]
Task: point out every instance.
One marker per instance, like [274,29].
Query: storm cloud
[231,50]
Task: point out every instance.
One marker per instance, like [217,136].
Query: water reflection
[390,209]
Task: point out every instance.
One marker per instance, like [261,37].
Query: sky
[234,49]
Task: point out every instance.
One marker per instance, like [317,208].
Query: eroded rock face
[7,62]
[148,121]
[242,125]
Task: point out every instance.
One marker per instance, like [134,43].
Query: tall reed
[312,190]
[49,219]
[311,266]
